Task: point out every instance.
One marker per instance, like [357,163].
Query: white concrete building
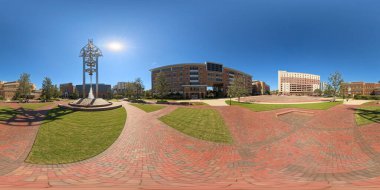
[292,83]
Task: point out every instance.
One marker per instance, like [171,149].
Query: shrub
[117,96]
[367,97]
[162,102]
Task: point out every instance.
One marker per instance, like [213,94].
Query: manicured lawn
[67,136]
[148,107]
[267,107]
[7,113]
[35,106]
[367,115]
[205,124]
[199,104]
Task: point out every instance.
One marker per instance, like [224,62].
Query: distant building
[104,90]
[376,91]
[199,80]
[66,89]
[260,88]
[8,89]
[360,88]
[121,87]
[323,86]
[291,83]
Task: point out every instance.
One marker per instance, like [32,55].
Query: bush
[162,102]
[136,101]
[1,98]
[367,97]
[117,96]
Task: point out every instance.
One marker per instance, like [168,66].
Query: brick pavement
[324,149]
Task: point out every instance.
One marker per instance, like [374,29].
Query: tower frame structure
[90,54]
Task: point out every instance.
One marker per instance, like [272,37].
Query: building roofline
[173,65]
[238,71]
[181,64]
[299,73]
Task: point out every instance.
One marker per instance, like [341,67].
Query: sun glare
[115,46]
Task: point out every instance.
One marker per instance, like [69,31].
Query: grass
[35,106]
[367,115]
[7,113]
[267,107]
[205,124]
[67,136]
[199,104]
[148,107]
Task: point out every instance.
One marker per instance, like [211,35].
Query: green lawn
[205,124]
[67,136]
[367,115]
[7,113]
[267,107]
[35,106]
[148,107]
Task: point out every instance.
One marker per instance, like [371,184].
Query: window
[214,67]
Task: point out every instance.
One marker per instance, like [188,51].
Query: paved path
[17,136]
[356,102]
[292,151]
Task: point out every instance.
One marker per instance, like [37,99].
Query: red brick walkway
[292,151]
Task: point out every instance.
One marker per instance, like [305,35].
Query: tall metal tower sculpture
[90,54]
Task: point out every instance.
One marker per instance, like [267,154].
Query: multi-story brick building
[66,89]
[8,89]
[260,87]
[291,83]
[359,88]
[199,80]
[104,90]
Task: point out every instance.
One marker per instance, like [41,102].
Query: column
[84,79]
[97,74]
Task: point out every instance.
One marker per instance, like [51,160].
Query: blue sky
[44,37]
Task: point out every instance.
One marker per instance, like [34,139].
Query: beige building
[292,83]
[8,89]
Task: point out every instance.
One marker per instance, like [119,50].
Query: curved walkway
[17,136]
[295,151]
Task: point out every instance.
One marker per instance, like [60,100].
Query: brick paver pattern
[308,150]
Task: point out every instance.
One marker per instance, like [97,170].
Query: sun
[115,46]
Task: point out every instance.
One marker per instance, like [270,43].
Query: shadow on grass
[371,115]
[22,117]
[8,113]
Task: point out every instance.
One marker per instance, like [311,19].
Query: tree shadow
[6,112]
[26,117]
[371,115]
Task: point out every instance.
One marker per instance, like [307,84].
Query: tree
[318,92]
[47,89]
[56,92]
[25,88]
[335,81]
[237,89]
[160,85]
[139,88]
[130,90]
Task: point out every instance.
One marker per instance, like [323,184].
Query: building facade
[260,88]
[104,90]
[360,88]
[292,83]
[199,80]
[66,89]
[8,89]
[121,87]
